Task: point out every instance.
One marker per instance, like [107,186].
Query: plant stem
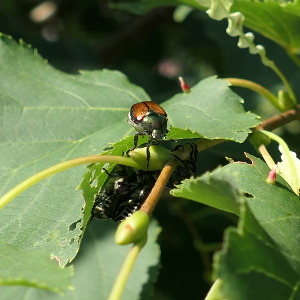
[6,198]
[285,82]
[256,88]
[164,176]
[267,157]
[124,273]
[281,119]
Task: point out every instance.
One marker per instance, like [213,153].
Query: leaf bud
[184,86]
[132,229]
[272,176]
[159,155]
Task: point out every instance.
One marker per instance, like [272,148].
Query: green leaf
[94,177]
[247,261]
[31,267]
[277,21]
[211,109]
[179,133]
[264,250]
[98,264]
[276,207]
[216,190]
[48,117]
[291,7]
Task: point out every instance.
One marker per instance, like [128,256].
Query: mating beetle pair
[126,188]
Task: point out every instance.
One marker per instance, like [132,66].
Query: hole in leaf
[247,195]
[107,148]
[73,225]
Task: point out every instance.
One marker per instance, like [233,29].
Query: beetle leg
[105,170]
[135,142]
[177,148]
[193,156]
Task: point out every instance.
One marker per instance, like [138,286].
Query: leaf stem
[164,176]
[256,88]
[285,82]
[267,157]
[124,273]
[11,194]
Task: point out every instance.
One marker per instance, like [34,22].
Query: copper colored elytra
[139,110]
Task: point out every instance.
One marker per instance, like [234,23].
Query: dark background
[153,50]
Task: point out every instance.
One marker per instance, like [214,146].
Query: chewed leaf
[97,267]
[94,177]
[249,259]
[284,168]
[48,117]
[274,206]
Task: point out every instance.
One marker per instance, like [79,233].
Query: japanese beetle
[134,202]
[148,118]
[124,191]
[107,200]
[186,168]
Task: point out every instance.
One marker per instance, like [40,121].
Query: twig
[159,186]
[281,119]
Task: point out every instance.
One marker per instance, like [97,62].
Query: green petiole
[10,195]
